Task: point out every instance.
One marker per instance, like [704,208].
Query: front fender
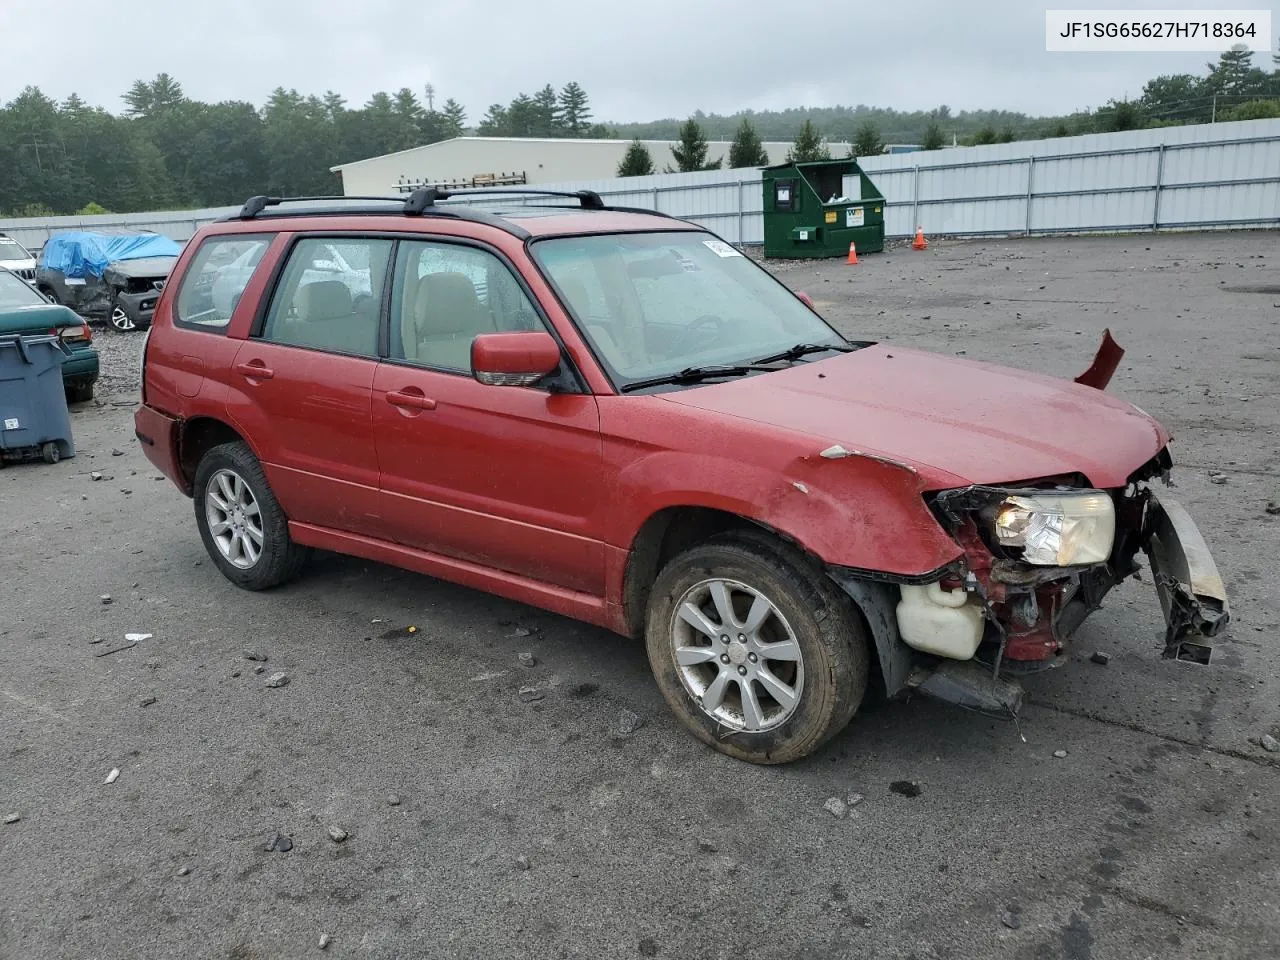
[849,510]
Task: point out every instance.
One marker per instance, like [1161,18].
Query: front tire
[80,392]
[760,657]
[240,521]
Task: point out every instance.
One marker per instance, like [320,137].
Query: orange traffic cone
[853,253]
[919,243]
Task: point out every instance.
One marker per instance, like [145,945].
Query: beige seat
[440,319]
[325,319]
[580,301]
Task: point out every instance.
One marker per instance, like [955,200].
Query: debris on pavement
[1010,919]
[96,640]
[12,818]
[259,669]
[147,702]
[279,843]
[1100,658]
[522,632]
[522,862]
[854,800]
[337,834]
[1270,743]
[182,872]
[906,788]
[112,776]
[398,633]
[1273,508]
[706,846]
[1218,478]
[527,659]
[255,656]
[107,653]
[836,807]
[1060,754]
[277,680]
[117,453]
[138,637]
[628,723]
[488,675]
[325,940]
[393,800]
[95,476]
[106,599]
[530,694]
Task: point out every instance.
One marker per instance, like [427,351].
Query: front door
[301,388]
[498,476]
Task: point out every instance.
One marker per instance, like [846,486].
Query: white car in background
[232,279]
[16,258]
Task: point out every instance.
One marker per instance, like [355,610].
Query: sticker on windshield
[720,248]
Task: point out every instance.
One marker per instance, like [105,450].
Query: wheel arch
[198,436]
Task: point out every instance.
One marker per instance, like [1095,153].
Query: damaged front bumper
[1191,592]
[1029,612]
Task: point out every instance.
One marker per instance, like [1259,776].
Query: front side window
[445,295]
[654,304]
[329,295]
[215,280]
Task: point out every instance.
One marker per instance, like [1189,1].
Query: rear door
[498,476]
[301,385]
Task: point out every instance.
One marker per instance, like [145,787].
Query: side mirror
[514,359]
[805,299]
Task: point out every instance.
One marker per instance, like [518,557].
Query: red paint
[1104,364]
[539,496]
[515,353]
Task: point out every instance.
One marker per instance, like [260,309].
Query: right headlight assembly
[1053,529]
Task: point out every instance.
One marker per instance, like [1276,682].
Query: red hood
[956,421]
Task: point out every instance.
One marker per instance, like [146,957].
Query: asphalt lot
[480,824]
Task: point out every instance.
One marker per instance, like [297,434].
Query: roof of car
[588,215]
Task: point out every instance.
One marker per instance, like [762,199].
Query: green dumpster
[817,209]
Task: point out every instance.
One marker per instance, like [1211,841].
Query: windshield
[653,304]
[15,293]
[11,249]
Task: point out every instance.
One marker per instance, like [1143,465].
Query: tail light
[81,332]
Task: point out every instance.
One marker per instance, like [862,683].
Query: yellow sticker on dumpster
[831,216]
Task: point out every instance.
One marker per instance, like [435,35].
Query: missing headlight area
[1042,555]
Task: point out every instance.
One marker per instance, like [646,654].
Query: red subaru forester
[615,415]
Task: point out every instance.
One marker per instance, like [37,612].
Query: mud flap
[1191,591]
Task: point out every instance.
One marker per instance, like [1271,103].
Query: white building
[516,160]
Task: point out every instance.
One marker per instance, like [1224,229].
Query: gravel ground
[428,809]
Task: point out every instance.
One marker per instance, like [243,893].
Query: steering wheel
[692,332]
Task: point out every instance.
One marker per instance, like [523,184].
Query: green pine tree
[454,119]
[932,139]
[575,115]
[808,145]
[746,149]
[636,162]
[691,152]
[866,142]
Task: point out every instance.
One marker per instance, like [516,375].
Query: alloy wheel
[234,518]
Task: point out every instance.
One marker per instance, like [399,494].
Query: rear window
[215,280]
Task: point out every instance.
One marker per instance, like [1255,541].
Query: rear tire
[50,452]
[809,647]
[240,520]
[79,392]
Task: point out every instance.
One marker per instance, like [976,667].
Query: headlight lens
[1058,530]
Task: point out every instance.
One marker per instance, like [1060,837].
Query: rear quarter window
[215,280]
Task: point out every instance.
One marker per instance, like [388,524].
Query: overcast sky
[636,60]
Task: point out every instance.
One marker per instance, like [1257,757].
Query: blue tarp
[83,254]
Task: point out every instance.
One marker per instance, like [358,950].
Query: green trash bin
[817,209]
[34,420]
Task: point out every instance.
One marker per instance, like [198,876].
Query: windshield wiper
[697,374]
[804,349]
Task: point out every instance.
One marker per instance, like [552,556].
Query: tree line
[167,151]
[1233,89]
